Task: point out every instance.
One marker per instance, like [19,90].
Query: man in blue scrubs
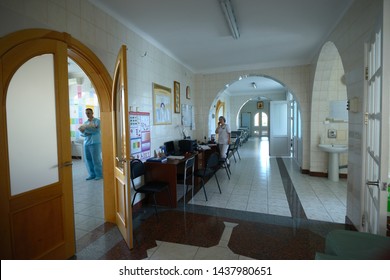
[90,130]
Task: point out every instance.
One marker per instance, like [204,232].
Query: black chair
[137,169]
[235,149]
[224,161]
[208,171]
[189,167]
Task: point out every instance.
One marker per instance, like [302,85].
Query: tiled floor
[267,210]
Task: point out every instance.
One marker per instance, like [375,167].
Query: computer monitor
[187,145]
[169,148]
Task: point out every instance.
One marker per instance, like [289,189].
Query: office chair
[189,168]
[137,169]
[208,171]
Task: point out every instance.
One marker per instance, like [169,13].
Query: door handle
[120,160]
[66,164]
[373,183]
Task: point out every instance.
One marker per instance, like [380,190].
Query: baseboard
[321,174]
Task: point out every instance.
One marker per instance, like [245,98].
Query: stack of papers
[176,157]
[204,147]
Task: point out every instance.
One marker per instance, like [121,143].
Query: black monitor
[187,145]
[169,148]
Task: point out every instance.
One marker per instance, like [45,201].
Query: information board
[140,135]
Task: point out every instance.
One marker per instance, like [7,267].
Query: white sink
[334,151]
[333,148]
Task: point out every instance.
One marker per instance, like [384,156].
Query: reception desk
[168,171]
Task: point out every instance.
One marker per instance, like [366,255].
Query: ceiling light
[230,18]
[254,85]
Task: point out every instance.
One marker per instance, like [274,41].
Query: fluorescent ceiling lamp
[230,18]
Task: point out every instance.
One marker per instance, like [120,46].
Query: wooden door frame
[102,82]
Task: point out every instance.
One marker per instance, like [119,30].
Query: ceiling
[273,33]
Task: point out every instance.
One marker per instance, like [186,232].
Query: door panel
[376,149]
[279,143]
[122,149]
[36,89]
[38,211]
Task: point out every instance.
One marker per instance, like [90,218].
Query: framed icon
[176,96]
[188,92]
[260,105]
[162,106]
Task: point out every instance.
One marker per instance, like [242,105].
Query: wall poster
[140,135]
[187,116]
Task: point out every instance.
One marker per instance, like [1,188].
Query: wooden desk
[167,172]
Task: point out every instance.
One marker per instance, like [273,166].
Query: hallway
[267,210]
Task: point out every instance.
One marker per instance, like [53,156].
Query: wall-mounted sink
[334,151]
[333,148]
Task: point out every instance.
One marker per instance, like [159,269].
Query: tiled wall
[329,85]
[104,35]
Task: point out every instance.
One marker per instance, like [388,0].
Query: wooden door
[36,199]
[123,211]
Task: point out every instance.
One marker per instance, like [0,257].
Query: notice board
[140,135]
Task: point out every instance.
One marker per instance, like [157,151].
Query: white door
[279,141]
[123,211]
[246,120]
[376,148]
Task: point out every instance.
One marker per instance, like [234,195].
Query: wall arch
[328,85]
[234,106]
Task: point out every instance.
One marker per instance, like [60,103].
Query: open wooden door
[36,213]
[123,211]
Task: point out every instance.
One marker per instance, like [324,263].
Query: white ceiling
[274,33]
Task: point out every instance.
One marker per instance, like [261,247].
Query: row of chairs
[213,164]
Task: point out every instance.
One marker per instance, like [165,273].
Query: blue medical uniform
[93,148]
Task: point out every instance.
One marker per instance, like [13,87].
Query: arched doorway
[44,203]
[253,94]
[328,108]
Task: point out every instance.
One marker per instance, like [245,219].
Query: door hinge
[363,220]
[366,73]
[366,118]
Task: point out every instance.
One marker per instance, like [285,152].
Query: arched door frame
[102,81]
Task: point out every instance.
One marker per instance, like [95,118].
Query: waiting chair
[208,171]
[224,162]
[235,149]
[137,169]
[189,168]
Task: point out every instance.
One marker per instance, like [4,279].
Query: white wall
[327,86]
[104,35]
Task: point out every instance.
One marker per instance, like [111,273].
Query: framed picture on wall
[176,96]
[188,92]
[162,105]
[260,105]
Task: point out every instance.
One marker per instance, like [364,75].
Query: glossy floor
[267,210]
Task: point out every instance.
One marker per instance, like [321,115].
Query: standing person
[223,131]
[92,145]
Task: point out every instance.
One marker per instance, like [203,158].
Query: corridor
[267,210]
